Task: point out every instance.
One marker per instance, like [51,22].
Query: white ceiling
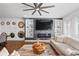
[16,10]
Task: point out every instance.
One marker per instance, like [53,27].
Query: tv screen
[44,24]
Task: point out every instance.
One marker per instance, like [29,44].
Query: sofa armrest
[75,53]
[64,48]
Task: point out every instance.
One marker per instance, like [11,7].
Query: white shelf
[29,23]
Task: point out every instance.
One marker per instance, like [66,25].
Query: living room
[39,29]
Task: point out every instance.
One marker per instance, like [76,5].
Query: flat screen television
[44,24]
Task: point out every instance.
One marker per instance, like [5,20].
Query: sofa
[65,45]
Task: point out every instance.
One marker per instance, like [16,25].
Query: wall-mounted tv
[44,24]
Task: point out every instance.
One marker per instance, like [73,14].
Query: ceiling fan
[37,7]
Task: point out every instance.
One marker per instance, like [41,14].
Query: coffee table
[26,50]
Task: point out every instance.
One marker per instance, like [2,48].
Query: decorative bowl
[38,48]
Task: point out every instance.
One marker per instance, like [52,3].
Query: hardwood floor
[15,45]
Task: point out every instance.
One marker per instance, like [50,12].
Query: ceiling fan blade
[44,11]
[40,4]
[33,12]
[35,4]
[47,7]
[27,9]
[27,5]
[39,12]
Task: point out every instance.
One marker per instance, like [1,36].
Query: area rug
[26,50]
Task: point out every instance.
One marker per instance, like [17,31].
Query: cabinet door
[58,27]
[29,28]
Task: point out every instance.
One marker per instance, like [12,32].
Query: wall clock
[13,23]
[4,33]
[12,35]
[21,24]
[2,23]
[8,23]
[21,34]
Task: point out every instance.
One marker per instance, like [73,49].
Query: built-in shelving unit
[29,28]
[58,27]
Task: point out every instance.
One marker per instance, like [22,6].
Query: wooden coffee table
[26,50]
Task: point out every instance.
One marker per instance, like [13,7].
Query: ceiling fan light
[37,9]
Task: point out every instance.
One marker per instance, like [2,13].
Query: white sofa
[65,45]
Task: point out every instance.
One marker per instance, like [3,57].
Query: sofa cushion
[59,38]
[65,49]
[72,42]
[14,53]
[4,52]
